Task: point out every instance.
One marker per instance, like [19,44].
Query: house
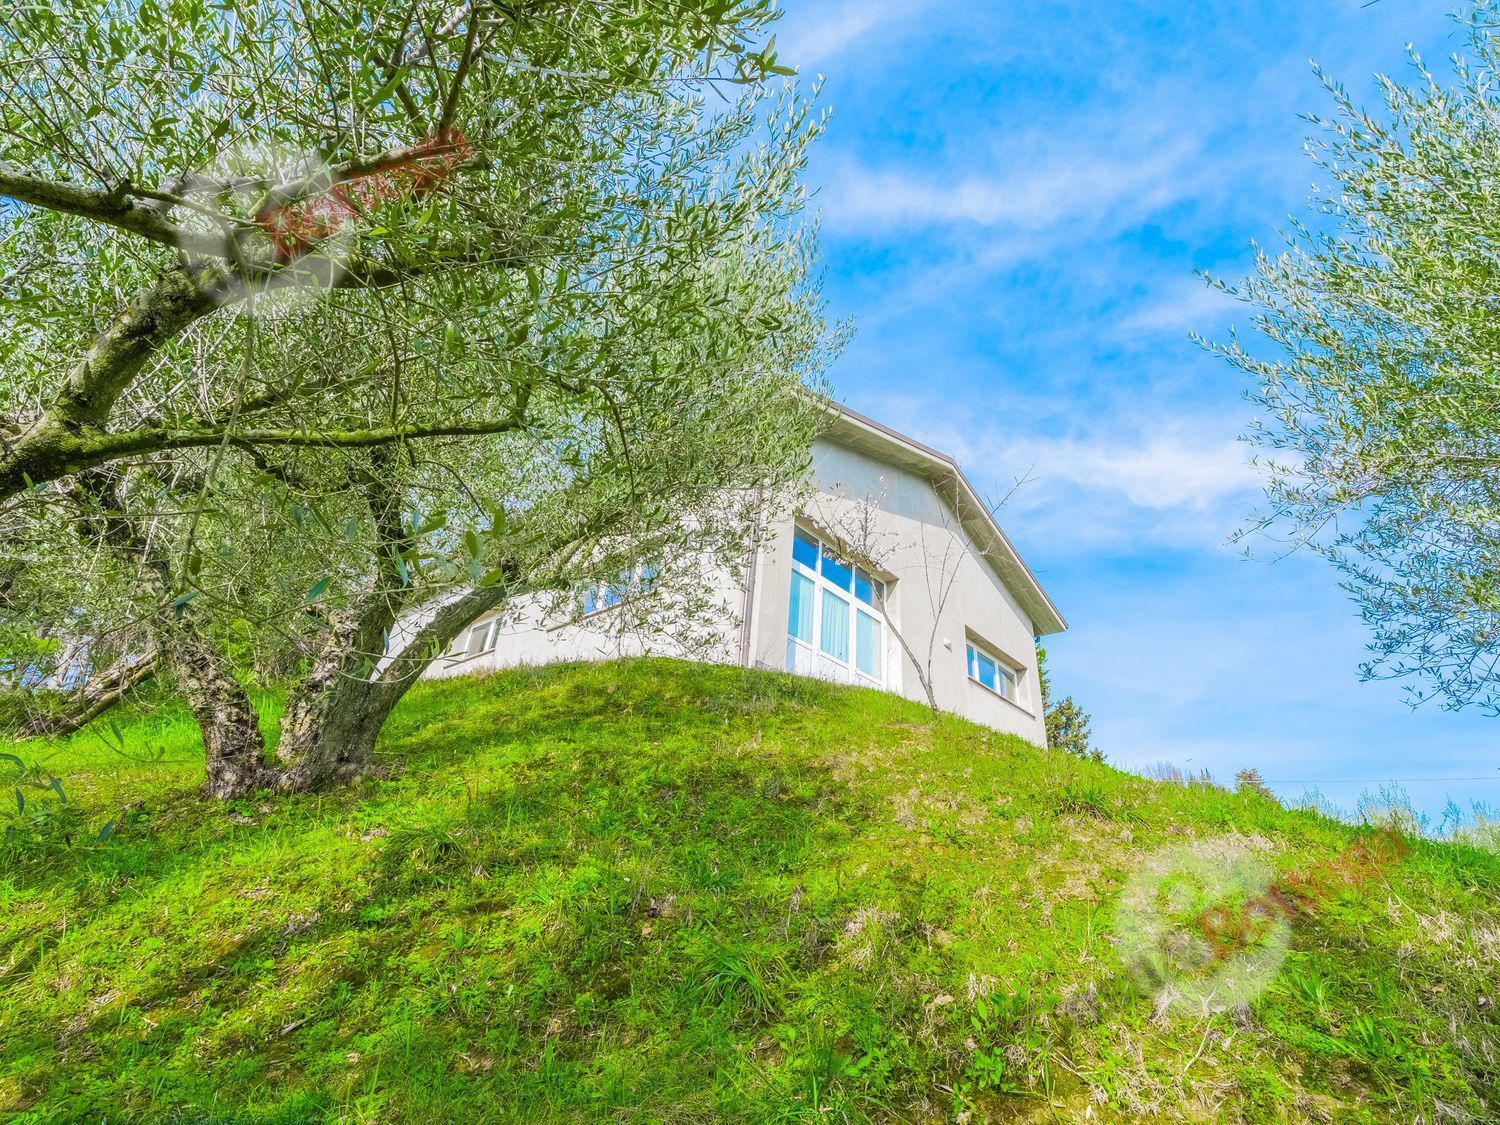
[893,575]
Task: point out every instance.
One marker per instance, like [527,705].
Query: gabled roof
[851,428]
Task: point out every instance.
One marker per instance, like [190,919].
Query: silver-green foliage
[1380,394]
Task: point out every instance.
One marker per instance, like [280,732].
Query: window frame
[1008,674]
[827,586]
[463,645]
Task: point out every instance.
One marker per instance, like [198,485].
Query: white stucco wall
[925,549]
[918,529]
[543,630]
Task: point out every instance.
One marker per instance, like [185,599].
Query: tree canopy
[317,320]
[170,160]
[1381,392]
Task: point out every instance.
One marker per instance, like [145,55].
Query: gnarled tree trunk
[336,713]
[233,747]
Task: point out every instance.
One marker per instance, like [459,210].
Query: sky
[1014,198]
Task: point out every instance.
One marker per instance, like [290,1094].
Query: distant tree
[1249,781]
[1067,723]
[1381,395]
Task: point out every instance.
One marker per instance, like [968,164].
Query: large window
[989,671]
[834,628]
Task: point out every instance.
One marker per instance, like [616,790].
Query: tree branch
[72,453]
[113,208]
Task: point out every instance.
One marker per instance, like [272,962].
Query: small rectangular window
[805,550]
[991,672]
[835,572]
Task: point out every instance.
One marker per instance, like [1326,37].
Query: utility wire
[1379,780]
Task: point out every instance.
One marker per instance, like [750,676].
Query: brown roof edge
[964,484]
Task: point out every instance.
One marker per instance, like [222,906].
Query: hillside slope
[660,891]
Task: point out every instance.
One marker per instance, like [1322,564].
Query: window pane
[800,620]
[1007,683]
[836,572]
[867,644]
[834,637]
[805,549]
[987,672]
[970,650]
[864,587]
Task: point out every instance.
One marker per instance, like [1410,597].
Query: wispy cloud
[1125,484]
[1177,309]
[1158,471]
[1087,185]
[831,31]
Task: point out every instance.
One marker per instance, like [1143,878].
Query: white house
[950,603]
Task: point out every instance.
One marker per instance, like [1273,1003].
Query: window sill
[465,658]
[1003,699]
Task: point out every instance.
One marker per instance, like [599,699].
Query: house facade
[893,575]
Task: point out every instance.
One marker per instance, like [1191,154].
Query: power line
[1376,780]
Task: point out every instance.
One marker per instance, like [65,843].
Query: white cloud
[1158,471]
[832,31]
[1178,309]
[1123,484]
[1080,185]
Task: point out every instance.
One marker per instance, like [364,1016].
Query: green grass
[655,891]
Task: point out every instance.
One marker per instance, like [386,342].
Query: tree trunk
[234,750]
[335,715]
[924,676]
[97,696]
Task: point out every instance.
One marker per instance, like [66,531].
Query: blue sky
[1014,198]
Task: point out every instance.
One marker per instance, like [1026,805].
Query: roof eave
[999,551]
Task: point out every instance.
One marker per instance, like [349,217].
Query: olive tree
[168,162]
[399,375]
[1380,393]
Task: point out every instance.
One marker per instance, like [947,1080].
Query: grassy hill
[659,891]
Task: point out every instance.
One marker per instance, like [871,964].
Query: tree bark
[50,448]
[336,713]
[98,696]
[234,750]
